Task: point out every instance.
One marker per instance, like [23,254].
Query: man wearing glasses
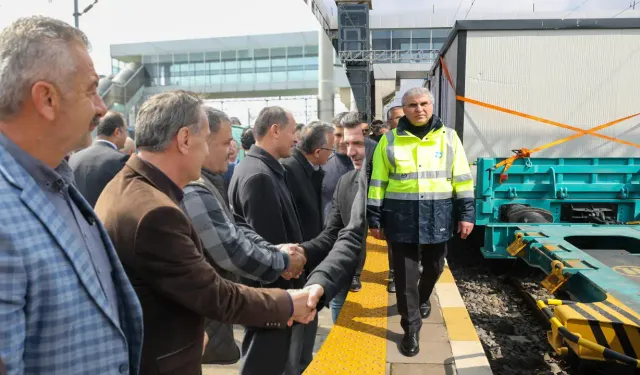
[420,185]
[304,179]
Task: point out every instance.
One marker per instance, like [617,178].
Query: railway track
[511,330]
[501,296]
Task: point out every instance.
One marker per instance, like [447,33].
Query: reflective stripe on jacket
[415,183]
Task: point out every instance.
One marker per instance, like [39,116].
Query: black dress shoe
[391,288]
[410,345]
[356,285]
[425,309]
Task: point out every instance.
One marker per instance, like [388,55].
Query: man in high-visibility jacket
[420,185]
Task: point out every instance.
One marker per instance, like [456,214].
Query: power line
[469,10]
[574,9]
[629,7]
[76,14]
[456,13]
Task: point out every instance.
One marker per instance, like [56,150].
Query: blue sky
[124,21]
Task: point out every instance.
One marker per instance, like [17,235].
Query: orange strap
[446,73]
[524,152]
[558,124]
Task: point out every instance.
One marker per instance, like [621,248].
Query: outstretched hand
[316,291]
[302,312]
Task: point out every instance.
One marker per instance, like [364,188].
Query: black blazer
[259,197]
[305,185]
[339,246]
[343,198]
[94,167]
[336,270]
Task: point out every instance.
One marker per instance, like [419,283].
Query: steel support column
[325,78]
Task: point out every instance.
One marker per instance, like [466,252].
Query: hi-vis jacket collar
[434,124]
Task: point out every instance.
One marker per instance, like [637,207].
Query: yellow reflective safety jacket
[415,183]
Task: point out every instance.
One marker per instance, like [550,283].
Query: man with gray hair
[160,247]
[420,186]
[304,178]
[66,305]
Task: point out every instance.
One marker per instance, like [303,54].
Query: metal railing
[389,56]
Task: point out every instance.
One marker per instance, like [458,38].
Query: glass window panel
[296,76]
[294,52]
[311,50]
[247,65]
[296,63]
[246,78]
[200,69]
[421,33]
[181,57]
[278,76]
[261,53]
[200,80]
[245,54]
[165,58]
[230,78]
[214,67]
[311,75]
[215,79]
[277,63]
[196,57]
[263,77]
[401,40]
[228,55]
[230,66]
[263,65]
[381,44]
[212,56]
[440,33]
[278,52]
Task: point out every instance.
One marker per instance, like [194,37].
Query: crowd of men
[137,257]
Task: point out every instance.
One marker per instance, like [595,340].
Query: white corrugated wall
[583,78]
[448,95]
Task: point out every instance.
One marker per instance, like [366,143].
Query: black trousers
[391,273]
[413,289]
[272,352]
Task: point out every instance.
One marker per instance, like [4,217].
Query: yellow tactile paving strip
[357,342]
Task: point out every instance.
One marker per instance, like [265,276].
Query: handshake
[304,303]
[297,260]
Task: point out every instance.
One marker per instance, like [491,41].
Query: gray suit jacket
[94,167]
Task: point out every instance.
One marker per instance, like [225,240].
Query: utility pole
[76,15]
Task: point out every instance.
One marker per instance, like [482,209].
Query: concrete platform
[366,337]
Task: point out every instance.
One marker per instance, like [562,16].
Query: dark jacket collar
[208,175]
[156,177]
[434,124]
[306,166]
[259,153]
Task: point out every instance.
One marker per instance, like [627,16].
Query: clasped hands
[304,303]
[297,260]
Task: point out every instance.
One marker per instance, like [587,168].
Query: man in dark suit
[304,178]
[304,175]
[160,248]
[95,166]
[344,197]
[260,197]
